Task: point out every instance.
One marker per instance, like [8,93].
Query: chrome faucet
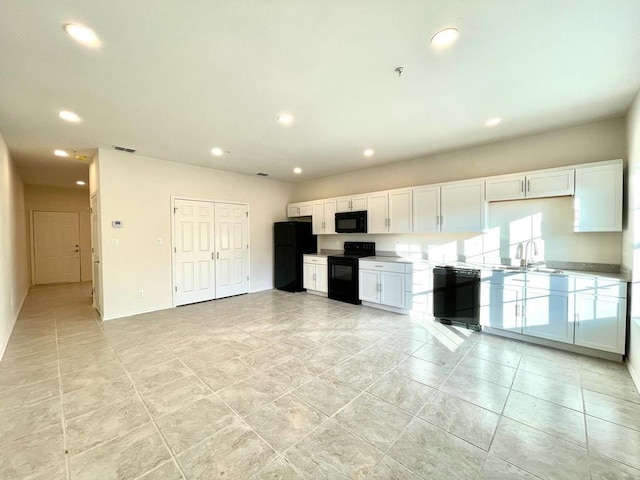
[522,253]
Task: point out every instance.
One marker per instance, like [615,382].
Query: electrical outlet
[140,293]
[114,242]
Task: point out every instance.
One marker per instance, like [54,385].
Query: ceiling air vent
[124,149]
[262,174]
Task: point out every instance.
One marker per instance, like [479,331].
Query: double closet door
[210,249]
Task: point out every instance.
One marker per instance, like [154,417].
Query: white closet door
[193,243]
[232,249]
[56,242]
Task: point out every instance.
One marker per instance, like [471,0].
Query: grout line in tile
[61,393]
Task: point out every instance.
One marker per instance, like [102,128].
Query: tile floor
[286,386]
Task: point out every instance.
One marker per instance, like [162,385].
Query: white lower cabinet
[386,283]
[587,311]
[598,312]
[315,274]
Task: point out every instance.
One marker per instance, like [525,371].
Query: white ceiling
[174,79]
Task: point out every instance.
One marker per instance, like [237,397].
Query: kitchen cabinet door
[392,289]
[463,207]
[501,306]
[505,188]
[599,322]
[550,184]
[598,199]
[309,276]
[426,209]
[293,210]
[318,218]
[369,286]
[359,203]
[400,211]
[546,315]
[322,278]
[329,216]
[378,213]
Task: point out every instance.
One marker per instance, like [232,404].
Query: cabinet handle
[379,266]
[516,310]
[350,205]
[521,186]
[437,220]
[218,255]
[389,223]
[578,319]
[528,186]
[441,220]
[212,256]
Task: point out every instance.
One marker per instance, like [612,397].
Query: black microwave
[351,222]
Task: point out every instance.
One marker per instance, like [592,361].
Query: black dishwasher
[456,296]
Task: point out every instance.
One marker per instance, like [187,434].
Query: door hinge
[247,246]
[247,214]
[175,210]
[174,250]
[247,278]
[176,288]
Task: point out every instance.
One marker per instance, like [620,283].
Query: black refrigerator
[292,240]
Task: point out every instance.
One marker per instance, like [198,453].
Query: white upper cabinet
[462,207]
[300,209]
[356,203]
[505,188]
[378,212]
[389,212]
[323,218]
[550,184]
[598,198]
[556,183]
[426,209]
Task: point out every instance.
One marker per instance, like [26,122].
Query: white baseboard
[635,376]
[3,348]
[137,312]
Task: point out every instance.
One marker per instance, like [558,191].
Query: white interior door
[95,254]
[232,249]
[56,247]
[193,251]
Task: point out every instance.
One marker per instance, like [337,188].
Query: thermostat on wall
[116,224]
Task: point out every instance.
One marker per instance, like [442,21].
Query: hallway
[289,386]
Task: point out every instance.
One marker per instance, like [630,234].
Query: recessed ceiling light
[80,182]
[285,118]
[369,152]
[297,170]
[60,153]
[218,152]
[445,38]
[492,122]
[81,34]
[69,116]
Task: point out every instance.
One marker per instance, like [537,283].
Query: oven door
[343,279]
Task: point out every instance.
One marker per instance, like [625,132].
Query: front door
[56,247]
[232,249]
[194,252]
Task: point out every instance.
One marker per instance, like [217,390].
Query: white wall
[14,279]
[547,221]
[591,142]
[54,199]
[632,238]
[137,190]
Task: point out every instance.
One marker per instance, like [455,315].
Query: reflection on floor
[279,385]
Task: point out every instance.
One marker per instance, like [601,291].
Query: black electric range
[343,271]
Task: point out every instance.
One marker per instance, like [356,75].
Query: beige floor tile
[290,374]
[97,373]
[558,421]
[172,396]
[233,452]
[35,453]
[465,420]
[128,456]
[614,441]
[435,454]
[424,372]
[614,386]
[160,374]
[374,420]
[389,469]
[285,421]
[475,390]
[324,358]
[603,468]
[327,393]
[20,397]
[496,469]
[495,354]
[554,391]
[331,452]
[251,394]
[166,471]
[21,422]
[96,396]
[539,453]
[186,427]
[486,370]
[279,469]
[612,409]
[402,392]
[223,373]
[104,424]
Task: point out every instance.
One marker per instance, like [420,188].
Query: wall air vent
[124,149]
[261,174]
